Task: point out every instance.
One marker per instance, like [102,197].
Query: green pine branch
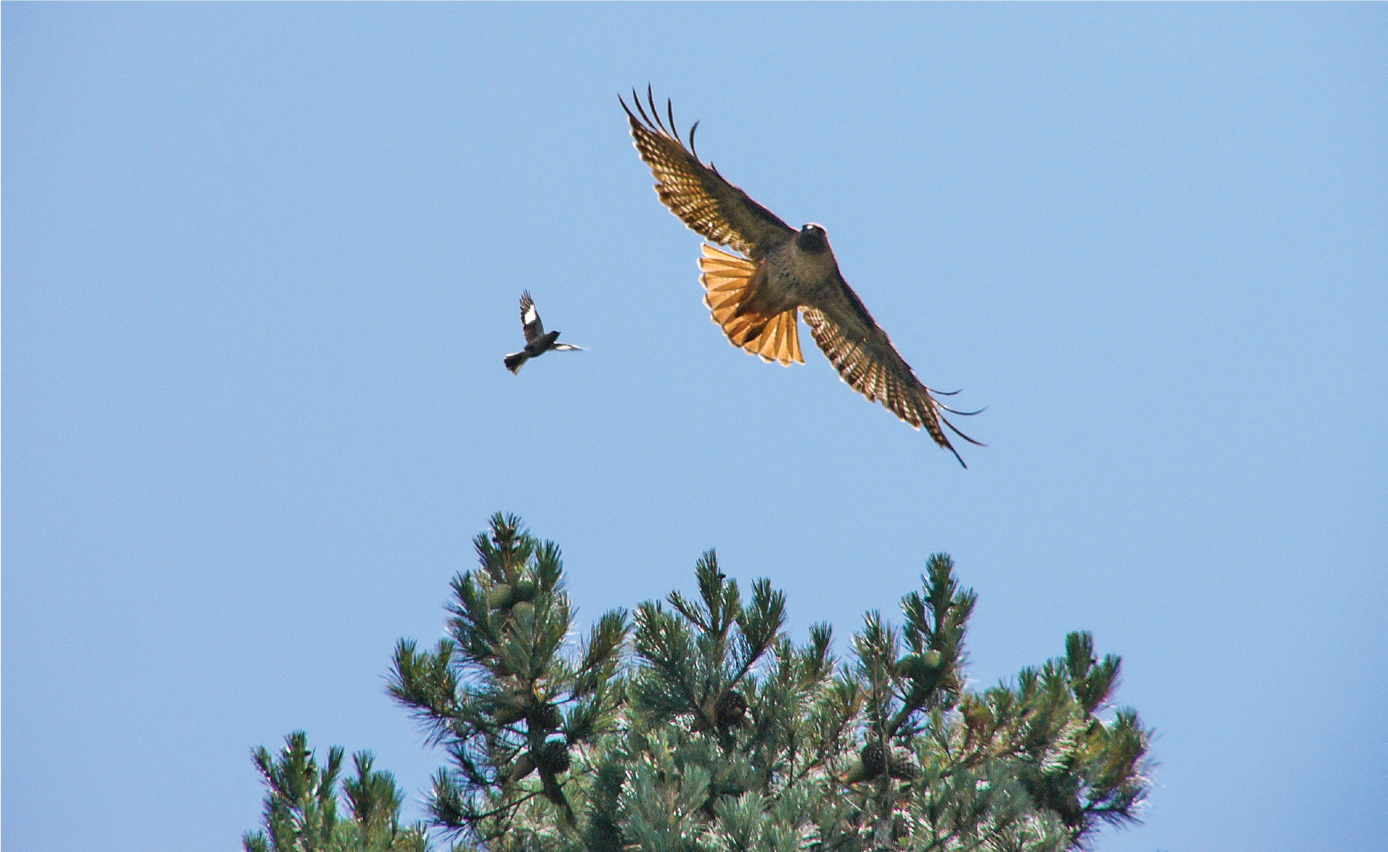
[696,723]
[301,805]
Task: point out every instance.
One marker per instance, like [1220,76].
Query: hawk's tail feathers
[514,361]
[729,281]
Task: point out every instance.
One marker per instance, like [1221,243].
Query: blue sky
[261,262]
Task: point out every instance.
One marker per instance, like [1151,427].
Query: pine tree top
[696,723]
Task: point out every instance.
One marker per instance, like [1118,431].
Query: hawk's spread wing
[866,359]
[697,193]
[530,319]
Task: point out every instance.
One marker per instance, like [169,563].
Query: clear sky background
[261,262]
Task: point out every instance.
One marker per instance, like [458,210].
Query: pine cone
[909,666]
[524,765]
[545,717]
[525,590]
[731,711]
[500,596]
[874,756]
[901,766]
[1071,812]
[508,713]
[553,757]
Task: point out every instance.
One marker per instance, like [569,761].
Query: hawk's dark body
[757,298]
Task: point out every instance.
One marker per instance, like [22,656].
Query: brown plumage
[757,298]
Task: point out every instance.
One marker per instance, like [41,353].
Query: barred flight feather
[780,267]
[697,193]
[876,380]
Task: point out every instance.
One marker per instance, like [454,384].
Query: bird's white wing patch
[530,319]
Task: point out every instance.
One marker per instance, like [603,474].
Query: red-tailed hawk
[537,340]
[756,298]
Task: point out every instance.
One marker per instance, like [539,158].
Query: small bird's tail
[730,281]
[514,361]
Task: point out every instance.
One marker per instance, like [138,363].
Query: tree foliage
[301,802]
[696,725]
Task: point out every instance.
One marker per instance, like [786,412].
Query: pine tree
[502,694]
[696,724]
[302,798]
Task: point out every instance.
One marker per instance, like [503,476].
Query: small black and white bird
[537,340]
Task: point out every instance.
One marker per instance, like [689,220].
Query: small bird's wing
[530,319]
[865,358]
[697,193]
[563,347]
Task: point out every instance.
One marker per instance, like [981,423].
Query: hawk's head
[812,239]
